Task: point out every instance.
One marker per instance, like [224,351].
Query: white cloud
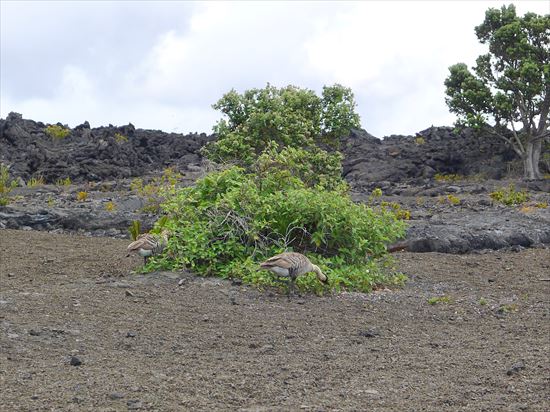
[163,66]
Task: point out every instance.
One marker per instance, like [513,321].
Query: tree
[510,85]
[288,116]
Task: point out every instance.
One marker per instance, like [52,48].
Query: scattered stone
[134,404]
[131,334]
[128,293]
[75,361]
[369,333]
[116,395]
[516,367]
[34,332]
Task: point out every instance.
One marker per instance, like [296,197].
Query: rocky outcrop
[106,153]
[488,229]
[96,154]
[369,161]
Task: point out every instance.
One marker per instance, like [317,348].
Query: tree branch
[517,139]
[524,112]
[519,151]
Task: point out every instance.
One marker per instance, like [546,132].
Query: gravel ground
[80,331]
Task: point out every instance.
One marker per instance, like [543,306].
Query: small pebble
[116,395]
[369,333]
[516,367]
[75,361]
[134,404]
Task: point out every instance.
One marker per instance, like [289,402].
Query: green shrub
[289,116]
[510,196]
[452,199]
[110,206]
[439,299]
[448,178]
[120,138]
[134,229]
[154,191]
[419,140]
[313,167]
[36,181]
[232,220]
[6,185]
[63,182]
[57,132]
[279,191]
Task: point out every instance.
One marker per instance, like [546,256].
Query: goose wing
[144,241]
[277,260]
[286,260]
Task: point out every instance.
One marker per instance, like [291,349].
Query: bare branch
[519,150]
[524,111]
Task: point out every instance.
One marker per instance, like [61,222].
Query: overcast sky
[161,65]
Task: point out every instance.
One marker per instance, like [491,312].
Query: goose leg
[291,286]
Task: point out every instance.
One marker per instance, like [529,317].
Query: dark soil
[80,331]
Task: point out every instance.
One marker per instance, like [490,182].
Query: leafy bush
[314,167]
[153,192]
[232,219]
[279,191]
[6,185]
[289,116]
[82,196]
[397,210]
[57,132]
[510,196]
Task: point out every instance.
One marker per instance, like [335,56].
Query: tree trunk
[531,160]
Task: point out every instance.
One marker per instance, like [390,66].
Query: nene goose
[291,265]
[148,244]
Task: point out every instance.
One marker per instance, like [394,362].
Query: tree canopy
[510,85]
[288,116]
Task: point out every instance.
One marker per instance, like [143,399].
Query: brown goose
[148,244]
[291,265]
